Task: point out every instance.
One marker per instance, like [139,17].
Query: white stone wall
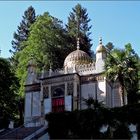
[100,62]
[108,95]
[100,66]
[28,98]
[32,109]
[101,91]
[68,103]
[116,97]
[31,78]
[47,105]
[98,56]
[87,90]
[36,104]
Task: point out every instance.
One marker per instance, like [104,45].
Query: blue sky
[115,21]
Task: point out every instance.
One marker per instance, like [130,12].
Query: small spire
[78,44]
[100,40]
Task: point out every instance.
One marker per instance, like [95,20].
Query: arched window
[58,92]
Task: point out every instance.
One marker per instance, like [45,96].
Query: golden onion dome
[77,57]
[100,47]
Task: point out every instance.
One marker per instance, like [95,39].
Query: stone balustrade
[80,69]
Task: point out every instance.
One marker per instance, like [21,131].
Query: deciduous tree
[48,44]
[8,91]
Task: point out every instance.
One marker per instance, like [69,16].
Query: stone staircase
[19,133]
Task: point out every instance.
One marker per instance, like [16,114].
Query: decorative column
[75,93]
[66,92]
[42,104]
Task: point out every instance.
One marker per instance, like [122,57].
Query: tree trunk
[121,80]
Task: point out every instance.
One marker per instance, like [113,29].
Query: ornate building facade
[56,91]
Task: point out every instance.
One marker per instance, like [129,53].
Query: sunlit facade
[65,89]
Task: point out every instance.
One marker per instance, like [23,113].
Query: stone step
[19,133]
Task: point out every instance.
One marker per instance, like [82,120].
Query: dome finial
[100,40]
[78,43]
[100,47]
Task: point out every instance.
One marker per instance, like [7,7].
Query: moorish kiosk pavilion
[64,90]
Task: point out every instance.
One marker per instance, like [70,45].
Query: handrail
[20,126]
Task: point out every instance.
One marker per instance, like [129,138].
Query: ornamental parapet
[80,69]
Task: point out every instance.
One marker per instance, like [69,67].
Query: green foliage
[77,26]
[78,124]
[92,103]
[132,77]
[48,44]
[109,46]
[122,65]
[85,124]
[8,92]
[19,44]
[44,38]
[22,33]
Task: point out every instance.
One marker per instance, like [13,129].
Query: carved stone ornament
[70,88]
[45,92]
[63,78]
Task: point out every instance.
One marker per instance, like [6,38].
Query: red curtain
[58,104]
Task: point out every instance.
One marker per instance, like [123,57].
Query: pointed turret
[100,48]
[100,56]
[31,76]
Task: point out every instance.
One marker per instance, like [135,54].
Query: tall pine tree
[19,44]
[78,26]
[23,30]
